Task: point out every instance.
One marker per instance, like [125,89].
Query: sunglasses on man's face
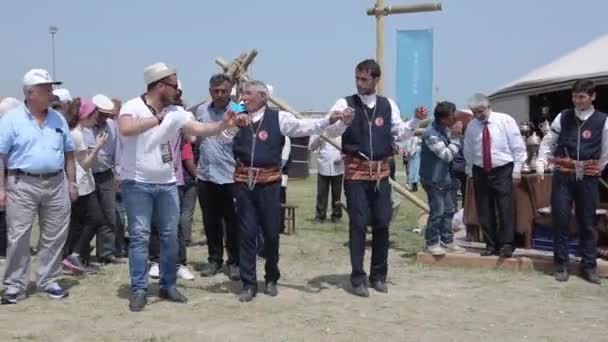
[174,86]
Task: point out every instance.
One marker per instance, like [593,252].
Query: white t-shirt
[84,179]
[146,165]
[176,117]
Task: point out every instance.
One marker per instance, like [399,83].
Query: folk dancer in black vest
[367,143]
[577,146]
[494,152]
[257,149]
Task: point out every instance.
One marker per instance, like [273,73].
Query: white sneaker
[154,270]
[435,250]
[453,248]
[185,273]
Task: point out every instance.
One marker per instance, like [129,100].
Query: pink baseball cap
[87,107]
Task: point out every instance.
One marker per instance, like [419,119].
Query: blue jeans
[413,169]
[442,205]
[148,204]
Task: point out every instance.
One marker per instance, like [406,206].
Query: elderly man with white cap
[149,183]
[37,150]
[110,242]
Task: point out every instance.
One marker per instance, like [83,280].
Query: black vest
[356,138]
[590,134]
[269,142]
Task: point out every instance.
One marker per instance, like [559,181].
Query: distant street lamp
[53,31]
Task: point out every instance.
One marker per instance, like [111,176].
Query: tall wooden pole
[380,43]
[380,11]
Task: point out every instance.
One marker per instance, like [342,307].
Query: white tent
[588,61]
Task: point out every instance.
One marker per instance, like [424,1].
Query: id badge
[165,153]
[579,171]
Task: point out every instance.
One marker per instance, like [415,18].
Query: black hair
[444,109]
[370,66]
[584,85]
[218,79]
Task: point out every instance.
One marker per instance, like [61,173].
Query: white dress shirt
[547,146]
[507,144]
[401,130]
[285,152]
[329,159]
[289,125]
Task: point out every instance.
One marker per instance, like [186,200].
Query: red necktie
[486,144]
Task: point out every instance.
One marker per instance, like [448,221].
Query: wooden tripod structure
[237,70]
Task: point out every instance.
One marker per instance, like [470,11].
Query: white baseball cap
[103,103]
[158,71]
[7,104]
[38,76]
[63,95]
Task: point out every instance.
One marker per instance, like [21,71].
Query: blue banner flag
[414,70]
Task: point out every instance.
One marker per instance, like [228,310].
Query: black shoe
[488,252]
[247,295]
[172,295]
[91,269]
[506,251]
[361,290]
[271,289]
[561,273]
[108,260]
[233,272]
[211,269]
[12,298]
[380,286]
[414,187]
[137,301]
[590,275]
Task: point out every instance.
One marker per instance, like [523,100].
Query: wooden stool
[290,218]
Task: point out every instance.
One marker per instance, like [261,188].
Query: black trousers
[366,204]
[154,244]
[585,195]
[85,220]
[3,234]
[462,183]
[259,208]
[107,233]
[323,185]
[219,219]
[494,194]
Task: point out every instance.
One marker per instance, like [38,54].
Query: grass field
[423,304]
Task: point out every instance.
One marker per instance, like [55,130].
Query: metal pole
[380,44]
[53,43]
[53,30]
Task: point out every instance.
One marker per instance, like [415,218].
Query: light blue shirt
[106,158]
[32,147]
[216,161]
